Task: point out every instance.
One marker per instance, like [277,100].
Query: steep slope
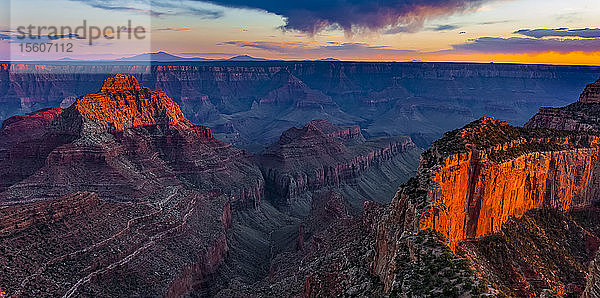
[321,155]
[22,143]
[315,176]
[592,288]
[545,252]
[110,142]
[494,209]
[120,195]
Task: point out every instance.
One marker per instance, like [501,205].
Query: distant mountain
[161,57]
[166,57]
[68,59]
[246,58]
[329,59]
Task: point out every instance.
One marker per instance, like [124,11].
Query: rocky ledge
[580,116]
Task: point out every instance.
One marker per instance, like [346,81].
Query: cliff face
[592,288]
[475,198]
[289,90]
[474,179]
[321,154]
[477,189]
[591,94]
[122,103]
[24,145]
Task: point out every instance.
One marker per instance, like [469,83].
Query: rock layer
[591,94]
[321,154]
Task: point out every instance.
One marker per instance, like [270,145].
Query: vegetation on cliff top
[487,133]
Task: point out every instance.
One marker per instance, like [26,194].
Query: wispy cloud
[444,28]
[519,45]
[177,29]
[327,49]
[157,8]
[272,46]
[560,32]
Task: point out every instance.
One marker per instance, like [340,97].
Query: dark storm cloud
[560,32]
[312,16]
[518,45]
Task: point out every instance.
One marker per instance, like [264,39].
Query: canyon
[494,209]
[119,193]
[249,104]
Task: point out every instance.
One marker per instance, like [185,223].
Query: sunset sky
[530,31]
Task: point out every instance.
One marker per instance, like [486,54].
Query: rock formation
[122,103]
[288,89]
[591,94]
[117,195]
[474,179]
[494,209]
[321,154]
[581,116]
[545,252]
[120,130]
[120,195]
[592,288]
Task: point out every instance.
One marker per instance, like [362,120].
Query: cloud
[397,29]
[495,22]
[560,32]
[407,29]
[519,45]
[328,49]
[157,8]
[355,16]
[444,28]
[177,29]
[272,46]
[114,5]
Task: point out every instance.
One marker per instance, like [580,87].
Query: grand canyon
[303,179]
